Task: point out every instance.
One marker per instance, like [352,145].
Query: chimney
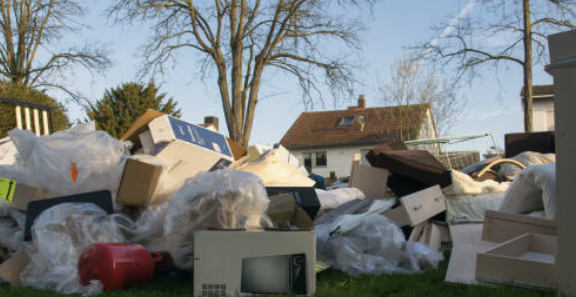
[361,102]
[211,121]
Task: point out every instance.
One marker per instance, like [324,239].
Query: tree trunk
[527,67]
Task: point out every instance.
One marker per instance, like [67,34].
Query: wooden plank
[398,215]
[423,205]
[501,226]
[416,232]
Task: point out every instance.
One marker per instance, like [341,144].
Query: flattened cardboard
[102,199]
[10,269]
[370,180]
[523,261]
[138,183]
[467,242]
[501,226]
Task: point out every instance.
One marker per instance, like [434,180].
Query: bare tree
[411,83]
[31,50]
[502,31]
[242,38]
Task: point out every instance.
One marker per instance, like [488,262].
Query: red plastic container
[116,265]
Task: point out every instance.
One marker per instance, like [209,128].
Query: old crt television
[247,263]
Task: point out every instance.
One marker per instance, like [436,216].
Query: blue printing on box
[200,136]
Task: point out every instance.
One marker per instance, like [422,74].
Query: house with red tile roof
[326,141]
[542,107]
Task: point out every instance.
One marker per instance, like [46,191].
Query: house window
[346,121]
[321,160]
[315,159]
[308,161]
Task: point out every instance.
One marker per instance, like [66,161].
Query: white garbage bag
[60,234]
[221,199]
[72,161]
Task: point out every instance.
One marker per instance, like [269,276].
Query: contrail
[452,24]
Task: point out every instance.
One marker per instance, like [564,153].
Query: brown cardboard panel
[424,204]
[501,226]
[416,232]
[138,183]
[25,194]
[139,126]
[283,210]
[370,180]
[10,269]
[520,261]
[467,242]
[238,151]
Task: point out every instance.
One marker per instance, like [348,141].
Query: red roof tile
[382,124]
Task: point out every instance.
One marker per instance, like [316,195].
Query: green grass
[330,283]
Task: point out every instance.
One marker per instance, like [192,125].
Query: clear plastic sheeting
[334,198]
[147,229]
[374,245]
[12,224]
[222,199]
[60,234]
[71,161]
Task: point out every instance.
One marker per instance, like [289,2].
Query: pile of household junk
[83,212]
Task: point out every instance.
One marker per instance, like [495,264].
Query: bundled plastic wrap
[71,161]
[374,245]
[334,198]
[147,229]
[222,199]
[60,234]
[12,224]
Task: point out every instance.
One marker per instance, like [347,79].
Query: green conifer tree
[121,106]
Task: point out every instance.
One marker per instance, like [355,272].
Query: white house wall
[338,159]
[541,119]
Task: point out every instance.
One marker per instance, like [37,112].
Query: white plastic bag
[12,224]
[60,234]
[72,161]
[372,244]
[222,199]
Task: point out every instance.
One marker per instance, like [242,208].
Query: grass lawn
[330,283]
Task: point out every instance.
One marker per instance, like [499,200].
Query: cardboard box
[562,46]
[138,184]
[283,211]
[244,263]
[501,226]
[185,160]
[370,180]
[304,197]
[141,126]
[167,129]
[527,260]
[418,207]
[19,194]
[10,269]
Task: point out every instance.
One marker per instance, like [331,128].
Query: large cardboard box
[19,194]
[244,263]
[167,129]
[138,184]
[140,126]
[501,226]
[284,212]
[527,260]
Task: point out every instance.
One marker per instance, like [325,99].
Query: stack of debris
[174,197]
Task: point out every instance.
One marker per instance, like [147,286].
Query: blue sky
[493,103]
